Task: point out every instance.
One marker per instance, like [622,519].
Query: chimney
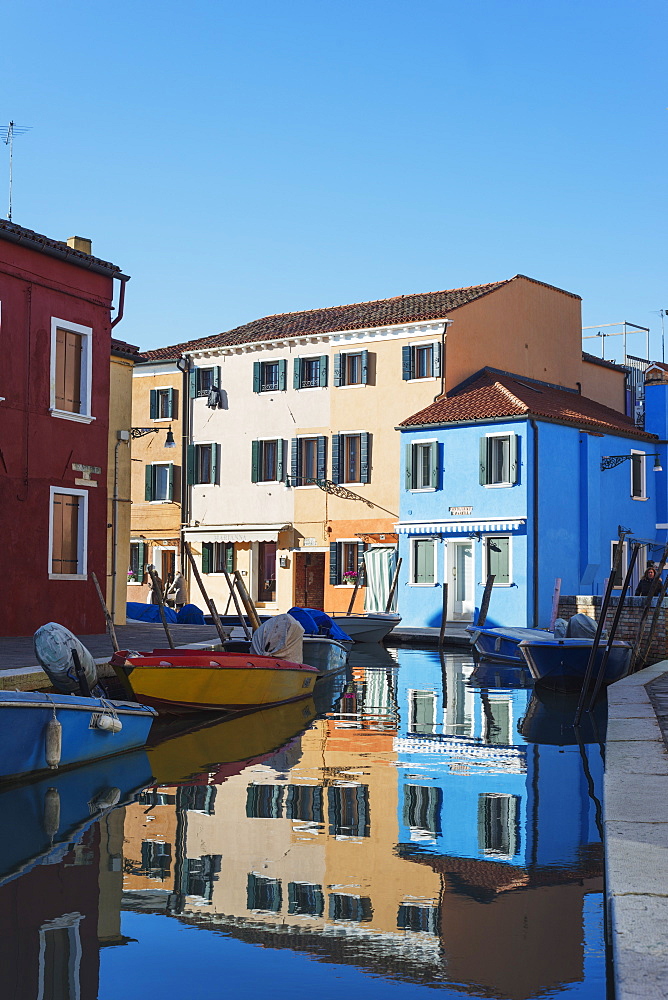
[80,243]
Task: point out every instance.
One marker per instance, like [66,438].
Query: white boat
[372,626]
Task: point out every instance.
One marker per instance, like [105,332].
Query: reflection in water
[411,824]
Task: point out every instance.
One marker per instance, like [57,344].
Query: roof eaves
[56,248]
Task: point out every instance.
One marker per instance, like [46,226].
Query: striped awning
[237,533]
[456,526]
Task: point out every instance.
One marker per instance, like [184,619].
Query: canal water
[424,824]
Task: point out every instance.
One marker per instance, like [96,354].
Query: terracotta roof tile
[17,234]
[592,359]
[491,394]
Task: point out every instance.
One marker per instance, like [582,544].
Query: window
[202,380]
[497,824]
[159,482]
[264,893]
[638,482]
[266,585]
[422,712]
[310,372]
[267,462]
[156,858]
[422,917]
[350,457]
[420,361]
[306,899]
[136,568]
[163,404]
[422,809]
[203,464]
[304,803]
[71,370]
[308,460]
[264,801]
[68,530]
[269,376]
[60,951]
[345,561]
[351,369]
[423,561]
[497,559]
[200,875]
[348,810]
[217,557]
[498,460]
[422,465]
[345,907]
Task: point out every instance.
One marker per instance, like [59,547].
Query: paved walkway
[636,832]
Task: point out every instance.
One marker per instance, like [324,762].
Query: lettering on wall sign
[460,510]
[86,472]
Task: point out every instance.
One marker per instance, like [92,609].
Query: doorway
[459,576]
[310,580]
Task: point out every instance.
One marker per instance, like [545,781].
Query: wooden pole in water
[361,573]
[246,600]
[615,623]
[444,616]
[555,603]
[395,578]
[209,603]
[484,604]
[233,595]
[110,621]
[155,580]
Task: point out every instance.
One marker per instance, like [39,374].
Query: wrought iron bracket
[336,490]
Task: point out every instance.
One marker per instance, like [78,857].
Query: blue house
[505,475]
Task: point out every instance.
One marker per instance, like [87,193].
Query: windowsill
[135,583]
[306,486]
[640,498]
[424,584]
[161,420]
[80,418]
[345,586]
[158,501]
[423,489]
[310,388]
[68,576]
[496,486]
[424,378]
[497,584]
[351,385]
[268,482]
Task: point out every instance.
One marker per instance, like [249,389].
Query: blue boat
[561,664]
[44,732]
[502,643]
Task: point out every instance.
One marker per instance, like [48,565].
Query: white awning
[237,533]
[460,527]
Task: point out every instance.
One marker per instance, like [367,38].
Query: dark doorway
[310,580]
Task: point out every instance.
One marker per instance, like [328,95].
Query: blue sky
[243,159]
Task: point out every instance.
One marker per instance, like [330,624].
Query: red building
[55,340]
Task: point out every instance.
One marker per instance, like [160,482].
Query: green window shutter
[148,483]
[365,367]
[214,463]
[514,464]
[207,556]
[171,403]
[280,460]
[170,481]
[141,560]
[216,376]
[190,465]
[282,374]
[336,458]
[192,382]
[483,462]
[297,373]
[436,359]
[360,556]
[333,563]
[433,459]
[257,372]
[322,457]
[229,557]
[153,404]
[294,462]
[409,466]
[255,462]
[498,559]
[364,458]
[323,370]
[406,363]
[337,369]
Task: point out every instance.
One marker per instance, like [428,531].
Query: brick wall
[628,622]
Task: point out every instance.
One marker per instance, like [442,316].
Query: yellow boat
[186,680]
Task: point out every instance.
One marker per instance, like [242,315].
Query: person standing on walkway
[176,595]
[646,582]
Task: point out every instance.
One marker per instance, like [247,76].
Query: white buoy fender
[54,742]
[110,723]
[51,812]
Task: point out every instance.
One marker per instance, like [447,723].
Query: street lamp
[612,461]
[140,432]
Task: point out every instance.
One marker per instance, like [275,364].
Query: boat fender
[51,812]
[109,723]
[107,799]
[54,742]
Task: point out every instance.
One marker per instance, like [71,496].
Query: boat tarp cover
[149,613]
[380,563]
[190,614]
[53,648]
[280,636]
[316,622]
[581,627]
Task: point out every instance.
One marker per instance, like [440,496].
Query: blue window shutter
[207,556]
[513,462]
[257,374]
[337,369]
[483,462]
[190,465]
[336,458]
[171,404]
[154,404]
[216,375]
[364,458]
[409,466]
[214,463]
[280,464]
[436,359]
[255,462]
[282,374]
[192,382]
[333,563]
[297,374]
[365,367]
[148,491]
[322,457]
[406,363]
[170,482]
[433,458]
[323,370]
[294,462]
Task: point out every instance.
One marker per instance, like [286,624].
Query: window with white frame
[422,465]
[345,560]
[621,571]
[498,460]
[159,482]
[351,368]
[267,461]
[71,370]
[638,475]
[68,531]
[421,360]
[162,403]
[269,376]
[309,373]
[350,457]
[497,559]
[422,712]
[423,561]
[498,816]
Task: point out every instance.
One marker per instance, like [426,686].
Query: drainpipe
[121,302]
[123,438]
[535,521]
[183,364]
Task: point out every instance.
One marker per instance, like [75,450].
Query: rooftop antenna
[7,135]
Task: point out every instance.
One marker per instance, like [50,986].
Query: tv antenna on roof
[7,135]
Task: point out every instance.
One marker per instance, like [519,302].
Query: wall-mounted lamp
[140,432]
[612,461]
[475,535]
[283,562]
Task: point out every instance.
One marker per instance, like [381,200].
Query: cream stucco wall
[118,478]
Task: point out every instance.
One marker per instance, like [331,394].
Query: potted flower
[350,576]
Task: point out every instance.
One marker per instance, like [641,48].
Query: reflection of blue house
[503,476]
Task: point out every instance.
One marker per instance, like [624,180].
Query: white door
[460,581]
